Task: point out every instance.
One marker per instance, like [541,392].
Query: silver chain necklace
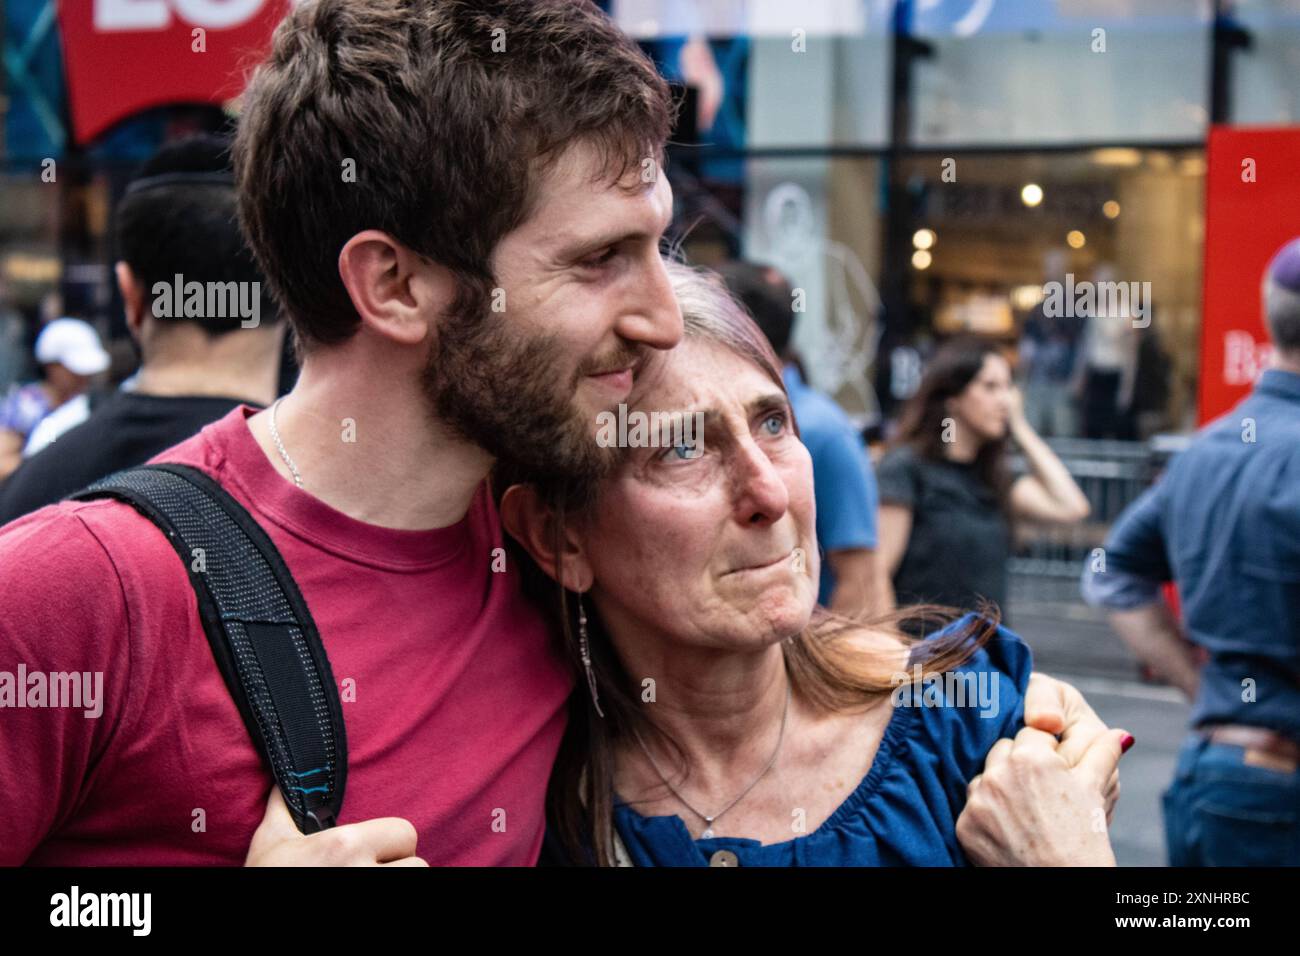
[275,437]
[708,820]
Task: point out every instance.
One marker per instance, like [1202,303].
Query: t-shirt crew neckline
[307,517]
[147,398]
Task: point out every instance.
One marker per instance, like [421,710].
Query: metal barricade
[1048,559]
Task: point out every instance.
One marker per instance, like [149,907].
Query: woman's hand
[1057,708]
[1031,808]
[1015,408]
[1048,493]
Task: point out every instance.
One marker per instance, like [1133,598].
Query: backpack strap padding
[259,628]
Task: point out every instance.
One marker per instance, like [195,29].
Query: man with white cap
[1224,523]
[70,355]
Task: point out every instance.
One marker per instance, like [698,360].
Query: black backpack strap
[262,635]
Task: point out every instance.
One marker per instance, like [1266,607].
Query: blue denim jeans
[1221,811]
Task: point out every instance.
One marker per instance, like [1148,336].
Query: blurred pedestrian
[843,484]
[1106,369]
[197,364]
[14,355]
[70,356]
[1049,347]
[1224,524]
[947,498]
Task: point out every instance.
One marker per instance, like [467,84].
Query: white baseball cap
[74,344]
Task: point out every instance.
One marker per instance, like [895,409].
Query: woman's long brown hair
[826,671]
[921,425]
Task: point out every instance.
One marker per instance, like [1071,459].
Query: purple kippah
[1284,269]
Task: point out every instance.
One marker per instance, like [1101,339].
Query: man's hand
[1030,808]
[1154,635]
[384,841]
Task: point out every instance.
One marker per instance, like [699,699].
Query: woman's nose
[761,493]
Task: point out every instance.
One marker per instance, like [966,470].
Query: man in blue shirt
[1224,523]
[843,483]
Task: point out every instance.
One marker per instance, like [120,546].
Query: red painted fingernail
[1127,742]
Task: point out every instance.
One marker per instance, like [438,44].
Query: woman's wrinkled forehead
[697,375]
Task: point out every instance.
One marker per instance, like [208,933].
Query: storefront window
[775,74]
[1061,71]
[1265,89]
[819,222]
[1086,264]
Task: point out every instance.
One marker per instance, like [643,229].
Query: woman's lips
[762,567]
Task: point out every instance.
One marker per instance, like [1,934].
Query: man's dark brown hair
[450,111]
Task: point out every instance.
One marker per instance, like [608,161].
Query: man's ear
[133,299]
[532,523]
[396,292]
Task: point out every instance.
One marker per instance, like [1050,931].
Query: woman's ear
[532,523]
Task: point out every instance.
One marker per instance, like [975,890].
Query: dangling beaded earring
[584,648]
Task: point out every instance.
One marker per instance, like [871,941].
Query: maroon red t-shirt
[459,684]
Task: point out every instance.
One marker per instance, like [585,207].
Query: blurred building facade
[925,168]
[919,168]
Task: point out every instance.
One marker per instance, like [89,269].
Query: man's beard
[506,393]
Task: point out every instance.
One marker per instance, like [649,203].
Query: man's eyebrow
[574,249]
[580,248]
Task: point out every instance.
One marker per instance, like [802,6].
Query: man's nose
[655,319]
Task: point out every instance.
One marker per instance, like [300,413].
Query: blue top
[904,812]
[1224,523]
[844,485]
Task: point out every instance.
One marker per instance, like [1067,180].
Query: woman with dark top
[947,502]
[721,718]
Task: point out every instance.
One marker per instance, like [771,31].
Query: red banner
[124,56]
[1252,207]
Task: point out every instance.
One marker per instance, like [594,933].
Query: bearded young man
[459,209]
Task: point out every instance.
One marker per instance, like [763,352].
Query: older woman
[730,721]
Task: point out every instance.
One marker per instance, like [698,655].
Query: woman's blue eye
[683,451]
